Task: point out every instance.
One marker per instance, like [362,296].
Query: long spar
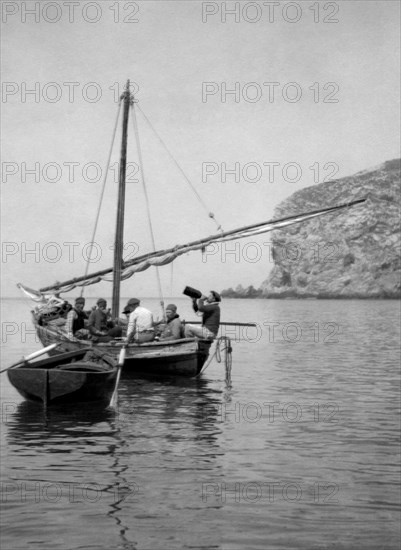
[216,238]
[119,235]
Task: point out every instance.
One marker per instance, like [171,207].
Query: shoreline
[294,296]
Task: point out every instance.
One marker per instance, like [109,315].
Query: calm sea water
[296,448]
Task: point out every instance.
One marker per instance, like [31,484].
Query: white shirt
[139,320]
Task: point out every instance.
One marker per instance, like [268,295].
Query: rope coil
[217,353]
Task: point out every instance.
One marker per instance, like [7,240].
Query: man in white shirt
[140,322]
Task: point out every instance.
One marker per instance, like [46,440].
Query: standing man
[76,317]
[140,322]
[210,308]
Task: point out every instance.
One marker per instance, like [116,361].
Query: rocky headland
[353,253]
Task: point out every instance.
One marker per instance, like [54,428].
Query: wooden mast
[119,235]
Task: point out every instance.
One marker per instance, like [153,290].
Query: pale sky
[315,89]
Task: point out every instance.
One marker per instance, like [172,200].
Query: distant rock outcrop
[354,253]
[241,292]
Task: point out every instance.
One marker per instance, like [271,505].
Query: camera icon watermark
[54,493]
[54,252]
[266,172]
[251,492]
[67,91]
[69,12]
[68,171]
[275,411]
[291,252]
[270,92]
[270,12]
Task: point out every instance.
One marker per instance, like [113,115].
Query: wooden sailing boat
[183,357]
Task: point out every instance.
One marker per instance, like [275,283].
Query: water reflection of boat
[195,402]
[140,474]
[30,425]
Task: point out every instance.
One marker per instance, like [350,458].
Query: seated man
[100,324]
[173,328]
[76,317]
[140,322]
[210,308]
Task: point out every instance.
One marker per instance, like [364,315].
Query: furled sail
[34,295]
[164,257]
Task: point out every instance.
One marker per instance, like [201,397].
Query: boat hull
[184,357]
[65,379]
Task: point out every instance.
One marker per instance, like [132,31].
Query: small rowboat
[72,377]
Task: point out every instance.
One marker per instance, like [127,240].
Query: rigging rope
[138,146]
[102,193]
[210,214]
[217,353]
[171,278]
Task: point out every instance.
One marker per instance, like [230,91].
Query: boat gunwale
[117,342]
[107,370]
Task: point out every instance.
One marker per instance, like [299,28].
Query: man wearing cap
[210,308]
[100,324]
[75,324]
[140,322]
[173,327]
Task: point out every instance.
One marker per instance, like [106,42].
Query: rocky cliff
[354,253]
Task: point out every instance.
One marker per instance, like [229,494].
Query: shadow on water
[32,418]
[33,428]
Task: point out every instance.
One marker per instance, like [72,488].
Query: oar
[121,360]
[32,356]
